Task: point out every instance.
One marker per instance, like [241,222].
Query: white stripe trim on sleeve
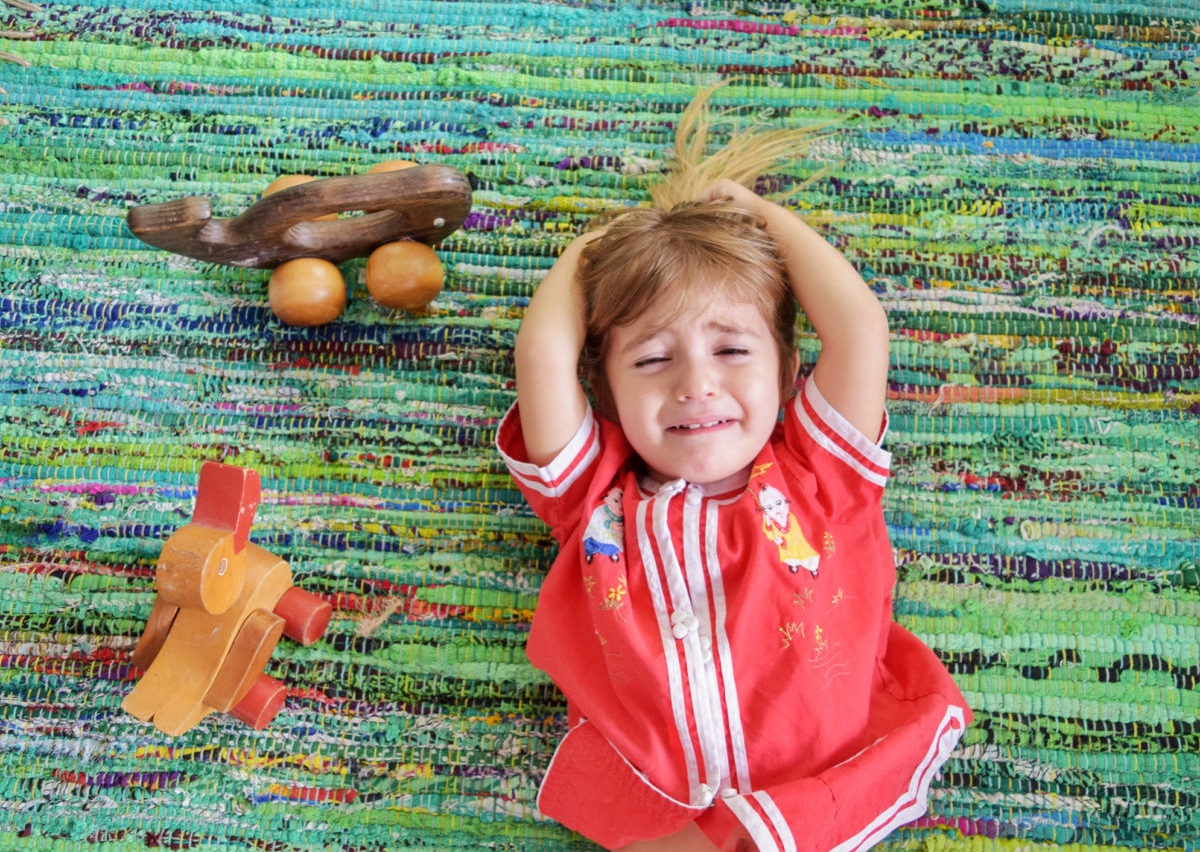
[834,422]
[556,478]
[777,819]
[754,824]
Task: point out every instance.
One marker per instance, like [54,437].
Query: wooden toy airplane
[222,604]
[423,203]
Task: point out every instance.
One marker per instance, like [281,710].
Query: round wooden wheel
[305,616]
[261,703]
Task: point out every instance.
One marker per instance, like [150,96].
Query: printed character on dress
[783,529]
[605,529]
[603,537]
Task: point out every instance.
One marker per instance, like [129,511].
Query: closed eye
[650,361]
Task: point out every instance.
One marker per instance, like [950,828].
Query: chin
[725,479]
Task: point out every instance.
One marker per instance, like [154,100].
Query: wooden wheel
[305,616]
[261,703]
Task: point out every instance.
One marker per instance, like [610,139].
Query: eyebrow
[713,325]
[728,328]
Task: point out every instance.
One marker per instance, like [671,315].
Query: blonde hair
[746,156]
[680,250]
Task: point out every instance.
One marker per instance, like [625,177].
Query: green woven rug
[1018,179]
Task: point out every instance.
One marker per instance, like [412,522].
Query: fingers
[725,190]
[730,192]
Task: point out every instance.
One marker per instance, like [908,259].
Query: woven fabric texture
[1019,180]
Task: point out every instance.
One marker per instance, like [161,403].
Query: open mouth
[696,427]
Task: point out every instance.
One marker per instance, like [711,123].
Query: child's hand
[735,194]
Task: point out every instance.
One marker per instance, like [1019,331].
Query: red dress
[731,658]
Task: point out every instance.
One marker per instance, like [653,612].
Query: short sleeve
[547,488]
[847,465]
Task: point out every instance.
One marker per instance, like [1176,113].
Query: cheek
[632,412]
[637,415]
[767,405]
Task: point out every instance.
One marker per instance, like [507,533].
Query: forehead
[699,312]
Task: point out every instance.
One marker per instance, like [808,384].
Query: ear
[791,372]
[601,393]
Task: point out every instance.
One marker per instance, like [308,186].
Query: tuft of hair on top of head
[746,156]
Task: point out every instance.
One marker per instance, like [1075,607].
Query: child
[719,697]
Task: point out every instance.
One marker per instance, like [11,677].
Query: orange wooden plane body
[223,603]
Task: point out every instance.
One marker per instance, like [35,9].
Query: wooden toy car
[223,602]
[423,203]
[400,210]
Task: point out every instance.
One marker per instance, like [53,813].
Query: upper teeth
[699,425]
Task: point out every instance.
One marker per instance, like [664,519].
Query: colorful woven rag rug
[1018,179]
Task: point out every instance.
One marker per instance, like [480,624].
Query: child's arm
[851,370]
[551,401]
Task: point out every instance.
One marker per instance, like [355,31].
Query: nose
[696,380]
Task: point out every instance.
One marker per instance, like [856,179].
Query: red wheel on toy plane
[305,616]
[261,703]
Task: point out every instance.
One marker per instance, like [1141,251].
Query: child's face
[699,397]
